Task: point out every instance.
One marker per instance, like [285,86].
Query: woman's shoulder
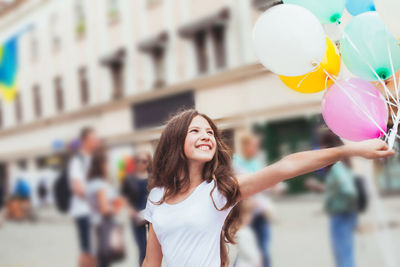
[156,194]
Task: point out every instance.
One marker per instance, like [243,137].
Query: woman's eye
[210,132]
[194,131]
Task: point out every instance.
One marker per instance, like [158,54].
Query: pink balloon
[348,119]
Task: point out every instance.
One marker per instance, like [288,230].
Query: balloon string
[393,71]
[396,120]
[366,110]
[355,103]
[372,95]
[326,82]
[387,91]
[305,77]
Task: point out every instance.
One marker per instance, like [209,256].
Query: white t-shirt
[189,231]
[78,169]
[93,187]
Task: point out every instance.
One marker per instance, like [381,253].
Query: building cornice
[224,77]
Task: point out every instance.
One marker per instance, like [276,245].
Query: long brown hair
[97,165]
[170,168]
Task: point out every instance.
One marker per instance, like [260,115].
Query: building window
[117,71]
[18,108]
[218,37]
[80,20]
[34,45]
[113,11]
[116,62]
[59,95]
[208,29]
[159,67]
[156,48]
[55,33]
[84,85]
[200,43]
[154,113]
[37,102]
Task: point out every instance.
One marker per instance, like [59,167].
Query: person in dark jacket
[134,189]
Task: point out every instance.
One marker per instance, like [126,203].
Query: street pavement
[299,238]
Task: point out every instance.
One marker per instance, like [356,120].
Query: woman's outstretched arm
[308,161]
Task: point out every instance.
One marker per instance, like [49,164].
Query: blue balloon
[356,7]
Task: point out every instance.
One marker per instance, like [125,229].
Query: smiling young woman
[193,189]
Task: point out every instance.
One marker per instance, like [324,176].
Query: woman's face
[200,144]
[141,163]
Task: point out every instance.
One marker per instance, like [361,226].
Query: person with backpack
[79,208]
[345,197]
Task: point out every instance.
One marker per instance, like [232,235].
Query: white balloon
[389,12]
[289,40]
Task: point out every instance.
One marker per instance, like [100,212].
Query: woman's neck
[195,173]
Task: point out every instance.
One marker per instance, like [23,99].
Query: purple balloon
[348,118]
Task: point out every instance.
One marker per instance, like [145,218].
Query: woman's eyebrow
[191,127]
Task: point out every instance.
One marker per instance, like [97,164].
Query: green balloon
[327,11]
[366,43]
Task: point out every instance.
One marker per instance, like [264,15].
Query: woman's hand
[370,149]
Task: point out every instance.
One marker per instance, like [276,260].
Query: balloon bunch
[289,40]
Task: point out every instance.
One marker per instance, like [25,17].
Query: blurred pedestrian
[42,191]
[247,162]
[134,189]
[341,203]
[102,198]
[245,253]
[193,189]
[79,207]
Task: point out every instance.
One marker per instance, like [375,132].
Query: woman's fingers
[385,153]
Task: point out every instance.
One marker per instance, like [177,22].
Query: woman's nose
[205,136]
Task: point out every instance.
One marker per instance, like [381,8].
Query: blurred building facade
[123,66]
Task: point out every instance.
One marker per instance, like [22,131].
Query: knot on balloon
[383,73]
[372,8]
[314,63]
[335,18]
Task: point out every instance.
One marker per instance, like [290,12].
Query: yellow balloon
[316,80]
